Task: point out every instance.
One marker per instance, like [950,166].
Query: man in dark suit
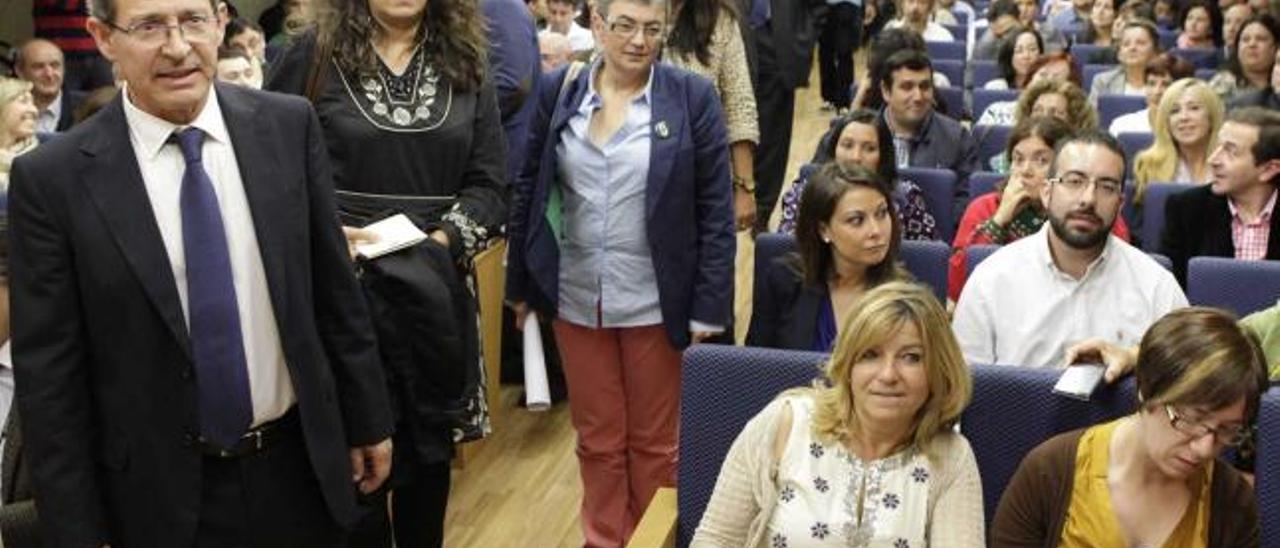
[1234,216]
[194,361]
[785,32]
[40,62]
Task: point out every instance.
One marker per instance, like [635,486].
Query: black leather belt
[256,440]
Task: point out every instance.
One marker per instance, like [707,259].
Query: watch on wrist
[747,185]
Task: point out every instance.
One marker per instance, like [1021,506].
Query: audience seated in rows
[1072,280]
[847,237]
[887,43]
[1234,215]
[1161,71]
[1153,478]
[1015,209]
[1255,51]
[859,139]
[1018,53]
[1186,129]
[1265,97]
[878,436]
[1057,99]
[1139,42]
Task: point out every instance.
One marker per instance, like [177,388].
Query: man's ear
[101,34]
[1269,171]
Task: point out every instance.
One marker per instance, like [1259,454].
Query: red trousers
[624,400]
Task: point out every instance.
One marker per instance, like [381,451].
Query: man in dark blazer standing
[194,362]
[1234,216]
[785,32]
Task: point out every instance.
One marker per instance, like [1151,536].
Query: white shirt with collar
[47,119]
[1018,308]
[162,166]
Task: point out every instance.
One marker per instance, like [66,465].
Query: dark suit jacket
[793,32]
[687,200]
[1197,222]
[945,144]
[19,521]
[102,358]
[784,313]
[70,102]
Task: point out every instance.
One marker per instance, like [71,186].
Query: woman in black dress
[412,126]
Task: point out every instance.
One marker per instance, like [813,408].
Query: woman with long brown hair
[412,126]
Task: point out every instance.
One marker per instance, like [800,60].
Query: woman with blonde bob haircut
[1186,129]
[1152,478]
[869,456]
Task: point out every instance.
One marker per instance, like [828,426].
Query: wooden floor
[523,489]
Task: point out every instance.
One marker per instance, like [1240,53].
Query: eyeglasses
[1076,183]
[1231,436]
[626,28]
[196,28]
[1040,162]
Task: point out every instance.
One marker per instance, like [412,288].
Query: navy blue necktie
[222,373]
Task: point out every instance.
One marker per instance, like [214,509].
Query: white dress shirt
[47,119]
[162,166]
[1133,122]
[580,39]
[1018,308]
[933,32]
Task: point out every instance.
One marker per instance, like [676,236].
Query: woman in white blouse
[869,458]
[1186,126]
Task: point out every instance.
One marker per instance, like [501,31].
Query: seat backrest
[946,50]
[1111,107]
[1267,467]
[1133,143]
[984,70]
[1014,409]
[984,182]
[953,99]
[975,254]
[982,98]
[1084,52]
[1153,212]
[939,187]
[770,246]
[1201,58]
[953,69]
[927,261]
[1243,287]
[1090,71]
[1162,261]
[992,141]
[1206,74]
[722,387]
[1168,38]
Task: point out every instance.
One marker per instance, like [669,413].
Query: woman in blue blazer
[847,237]
[622,231]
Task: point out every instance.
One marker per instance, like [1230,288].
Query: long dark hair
[817,204]
[1215,18]
[1268,22]
[456,44]
[888,168]
[1005,58]
[694,26]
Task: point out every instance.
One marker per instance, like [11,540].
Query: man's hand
[1119,361]
[370,465]
[744,209]
[440,236]
[521,311]
[358,236]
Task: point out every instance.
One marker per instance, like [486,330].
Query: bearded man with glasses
[195,362]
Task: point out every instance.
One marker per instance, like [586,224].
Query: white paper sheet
[537,395]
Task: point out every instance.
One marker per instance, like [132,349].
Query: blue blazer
[688,201]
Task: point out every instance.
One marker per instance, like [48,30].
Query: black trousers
[267,500]
[418,501]
[776,102]
[835,53]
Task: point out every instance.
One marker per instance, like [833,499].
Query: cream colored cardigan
[740,507]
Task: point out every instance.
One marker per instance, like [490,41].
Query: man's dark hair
[1267,147]
[908,59]
[233,52]
[567,2]
[238,26]
[1000,8]
[887,43]
[1215,18]
[1091,137]
[105,10]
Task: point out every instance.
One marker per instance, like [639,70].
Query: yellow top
[1091,521]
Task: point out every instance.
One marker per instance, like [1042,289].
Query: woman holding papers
[867,457]
[1152,478]
[622,231]
[412,126]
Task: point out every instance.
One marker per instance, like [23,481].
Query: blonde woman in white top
[872,459]
[17,124]
[1185,130]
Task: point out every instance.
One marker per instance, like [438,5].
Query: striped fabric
[62,22]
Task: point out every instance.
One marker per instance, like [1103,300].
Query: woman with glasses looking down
[1152,478]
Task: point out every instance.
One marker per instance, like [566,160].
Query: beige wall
[15,17]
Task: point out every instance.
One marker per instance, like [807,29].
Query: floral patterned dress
[829,497]
[908,201]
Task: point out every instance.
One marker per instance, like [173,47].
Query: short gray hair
[602,6]
[105,10]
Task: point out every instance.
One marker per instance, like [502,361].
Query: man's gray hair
[602,6]
[105,10]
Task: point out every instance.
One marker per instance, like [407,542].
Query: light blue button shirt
[607,277]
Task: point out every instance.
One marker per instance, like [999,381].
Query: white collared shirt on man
[47,119]
[162,167]
[1018,308]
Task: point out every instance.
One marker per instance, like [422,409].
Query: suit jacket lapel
[110,175]
[804,317]
[666,126]
[258,156]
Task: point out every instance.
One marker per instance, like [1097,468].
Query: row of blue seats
[1243,287]
[1013,410]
